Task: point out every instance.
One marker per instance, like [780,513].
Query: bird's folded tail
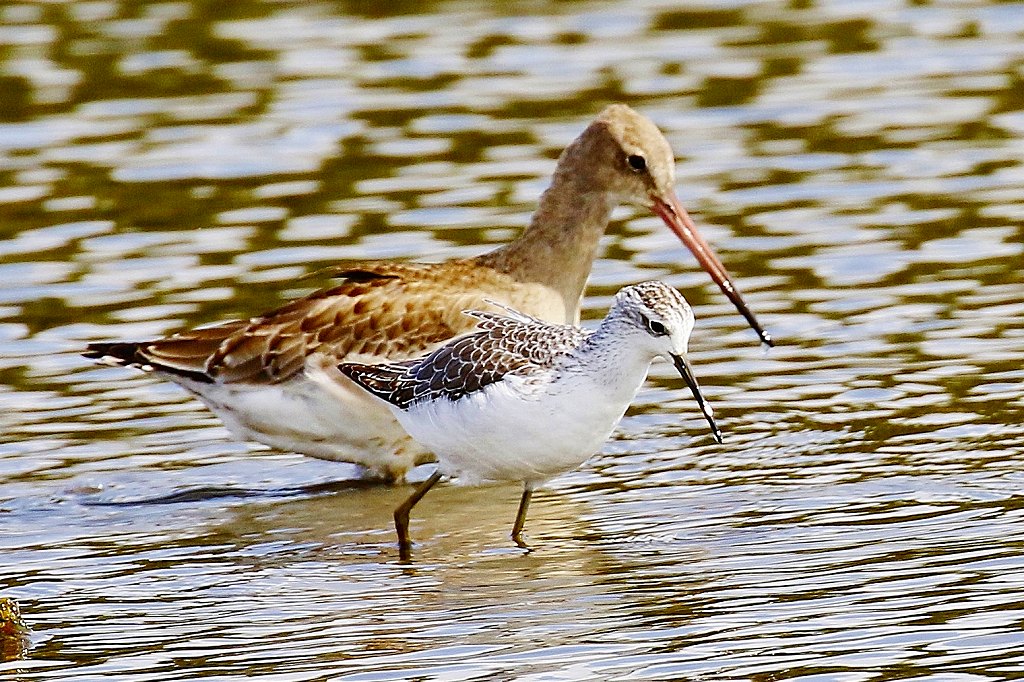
[131,354]
[187,354]
[124,353]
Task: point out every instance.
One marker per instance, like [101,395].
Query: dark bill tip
[686,371]
[675,217]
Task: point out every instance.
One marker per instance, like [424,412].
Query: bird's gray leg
[402,513]
[517,527]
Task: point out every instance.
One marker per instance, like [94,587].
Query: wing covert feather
[386,311]
[502,347]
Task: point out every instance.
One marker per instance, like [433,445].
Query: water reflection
[857,166]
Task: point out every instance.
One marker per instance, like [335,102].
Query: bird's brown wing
[381,311]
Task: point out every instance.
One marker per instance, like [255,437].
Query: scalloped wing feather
[503,346]
[382,311]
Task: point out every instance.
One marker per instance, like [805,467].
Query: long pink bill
[671,211]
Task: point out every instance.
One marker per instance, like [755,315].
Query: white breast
[522,429]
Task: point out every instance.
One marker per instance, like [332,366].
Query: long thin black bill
[686,371]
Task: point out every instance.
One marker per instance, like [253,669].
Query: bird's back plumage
[502,346]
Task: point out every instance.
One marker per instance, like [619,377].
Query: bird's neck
[611,350]
[559,246]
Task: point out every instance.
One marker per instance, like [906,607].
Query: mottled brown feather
[386,310]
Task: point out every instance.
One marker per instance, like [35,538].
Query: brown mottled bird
[274,378]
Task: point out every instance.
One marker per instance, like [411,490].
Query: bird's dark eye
[656,328]
[637,162]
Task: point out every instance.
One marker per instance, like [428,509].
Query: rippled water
[857,165]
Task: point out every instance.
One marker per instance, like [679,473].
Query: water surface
[856,165]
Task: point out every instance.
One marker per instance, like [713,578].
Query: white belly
[319,413]
[515,431]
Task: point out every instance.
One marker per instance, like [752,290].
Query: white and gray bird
[520,399]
